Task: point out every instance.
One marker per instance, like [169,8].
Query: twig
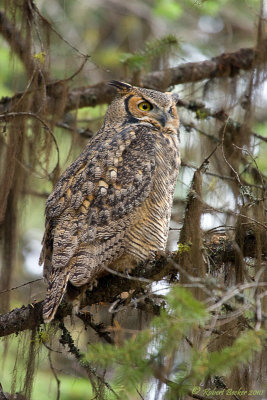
[100,329]
[222,66]
[78,70]
[67,339]
[206,160]
[260,136]
[254,161]
[111,286]
[223,177]
[220,115]
[10,115]
[233,292]
[141,397]
[35,8]
[19,286]
[2,394]
[55,375]
[127,276]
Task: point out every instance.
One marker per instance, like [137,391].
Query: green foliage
[203,364]
[213,7]
[240,352]
[201,114]
[139,358]
[44,335]
[168,8]
[40,57]
[184,247]
[44,387]
[152,50]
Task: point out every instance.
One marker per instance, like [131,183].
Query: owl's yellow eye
[145,106]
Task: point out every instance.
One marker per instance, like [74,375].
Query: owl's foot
[76,306]
[159,254]
[127,272]
[92,284]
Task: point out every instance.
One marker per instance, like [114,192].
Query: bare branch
[111,286]
[220,115]
[222,66]
[100,328]
[66,339]
[19,286]
[54,373]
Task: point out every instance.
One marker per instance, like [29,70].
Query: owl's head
[137,105]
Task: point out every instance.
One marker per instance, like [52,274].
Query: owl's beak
[162,119]
[165,119]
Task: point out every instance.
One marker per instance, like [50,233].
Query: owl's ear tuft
[122,87]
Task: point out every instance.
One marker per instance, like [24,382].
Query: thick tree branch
[222,66]
[219,249]
[109,287]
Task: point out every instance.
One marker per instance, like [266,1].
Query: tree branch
[222,66]
[219,249]
[204,112]
[66,339]
[109,287]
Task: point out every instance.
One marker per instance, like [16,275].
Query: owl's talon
[93,283]
[127,272]
[75,307]
[159,254]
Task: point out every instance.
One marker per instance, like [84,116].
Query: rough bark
[222,66]
[219,250]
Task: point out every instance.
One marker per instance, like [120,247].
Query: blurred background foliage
[123,39]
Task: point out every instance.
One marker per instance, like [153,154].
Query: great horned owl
[112,205]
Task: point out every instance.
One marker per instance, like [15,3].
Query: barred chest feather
[148,231]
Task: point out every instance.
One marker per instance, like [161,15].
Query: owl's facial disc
[145,110]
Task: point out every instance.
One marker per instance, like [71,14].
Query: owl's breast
[148,231]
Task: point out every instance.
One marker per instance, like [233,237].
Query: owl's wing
[89,210]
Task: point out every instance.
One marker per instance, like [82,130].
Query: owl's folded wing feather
[89,210]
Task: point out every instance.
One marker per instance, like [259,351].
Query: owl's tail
[55,292]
